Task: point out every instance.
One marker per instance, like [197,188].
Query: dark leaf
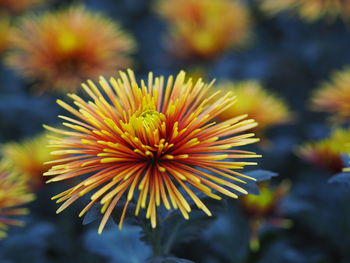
[169,260]
[261,175]
[343,178]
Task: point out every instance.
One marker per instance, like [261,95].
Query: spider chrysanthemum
[334,96]
[14,193]
[260,104]
[309,10]
[60,50]
[205,28]
[28,157]
[327,153]
[152,143]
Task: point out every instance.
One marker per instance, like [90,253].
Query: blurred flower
[334,96]
[155,138]
[13,193]
[17,6]
[205,28]
[309,10]
[260,104]
[28,158]
[62,49]
[5,31]
[264,209]
[327,153]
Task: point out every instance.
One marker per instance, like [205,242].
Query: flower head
[5,31]
[205,28]
[334,96]
[263,106]
[28,158]
[144,142]
[309,10]
[60,50]
[327,153]
[17,6]
[14,192]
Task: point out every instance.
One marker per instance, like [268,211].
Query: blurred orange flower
[260,104]
[205,28]
[5,31]
[28,158]
[146,141]
[309,10]
[17,6]
[326,153]
[62,49]
[334,96]
[14,192]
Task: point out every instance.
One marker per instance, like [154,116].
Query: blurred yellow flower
[205,28]
[309,10]
[260,104]
[264,209]
[142,143]
[326,153]
[28,158]
[14,192]
[61,49]
[334,96]
[5,31]
[17,6]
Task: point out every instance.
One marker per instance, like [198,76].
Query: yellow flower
[143,142]
[334,96]
[28,158]
[309,10]
[327,153]
[61,49]
[261,105]
[13,193]
[205,28]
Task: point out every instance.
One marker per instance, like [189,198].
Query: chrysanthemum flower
[143,142]
[309,10]
[327,153]
[17,6]
[5,31]
[13,194]
[60,50]
[334,96]
[261,105]
[205,28]
[265,209]
[28,158]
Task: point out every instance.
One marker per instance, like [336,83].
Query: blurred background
[287,64]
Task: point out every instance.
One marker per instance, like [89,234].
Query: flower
[28,158]
[5,31]
[62,49]
[17,6]
[143,142]
[309,10]
[205,28]
[263,106]
[14,192]
[264,209]
[327,153]
[334,96]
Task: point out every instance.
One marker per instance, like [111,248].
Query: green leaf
[261,175]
